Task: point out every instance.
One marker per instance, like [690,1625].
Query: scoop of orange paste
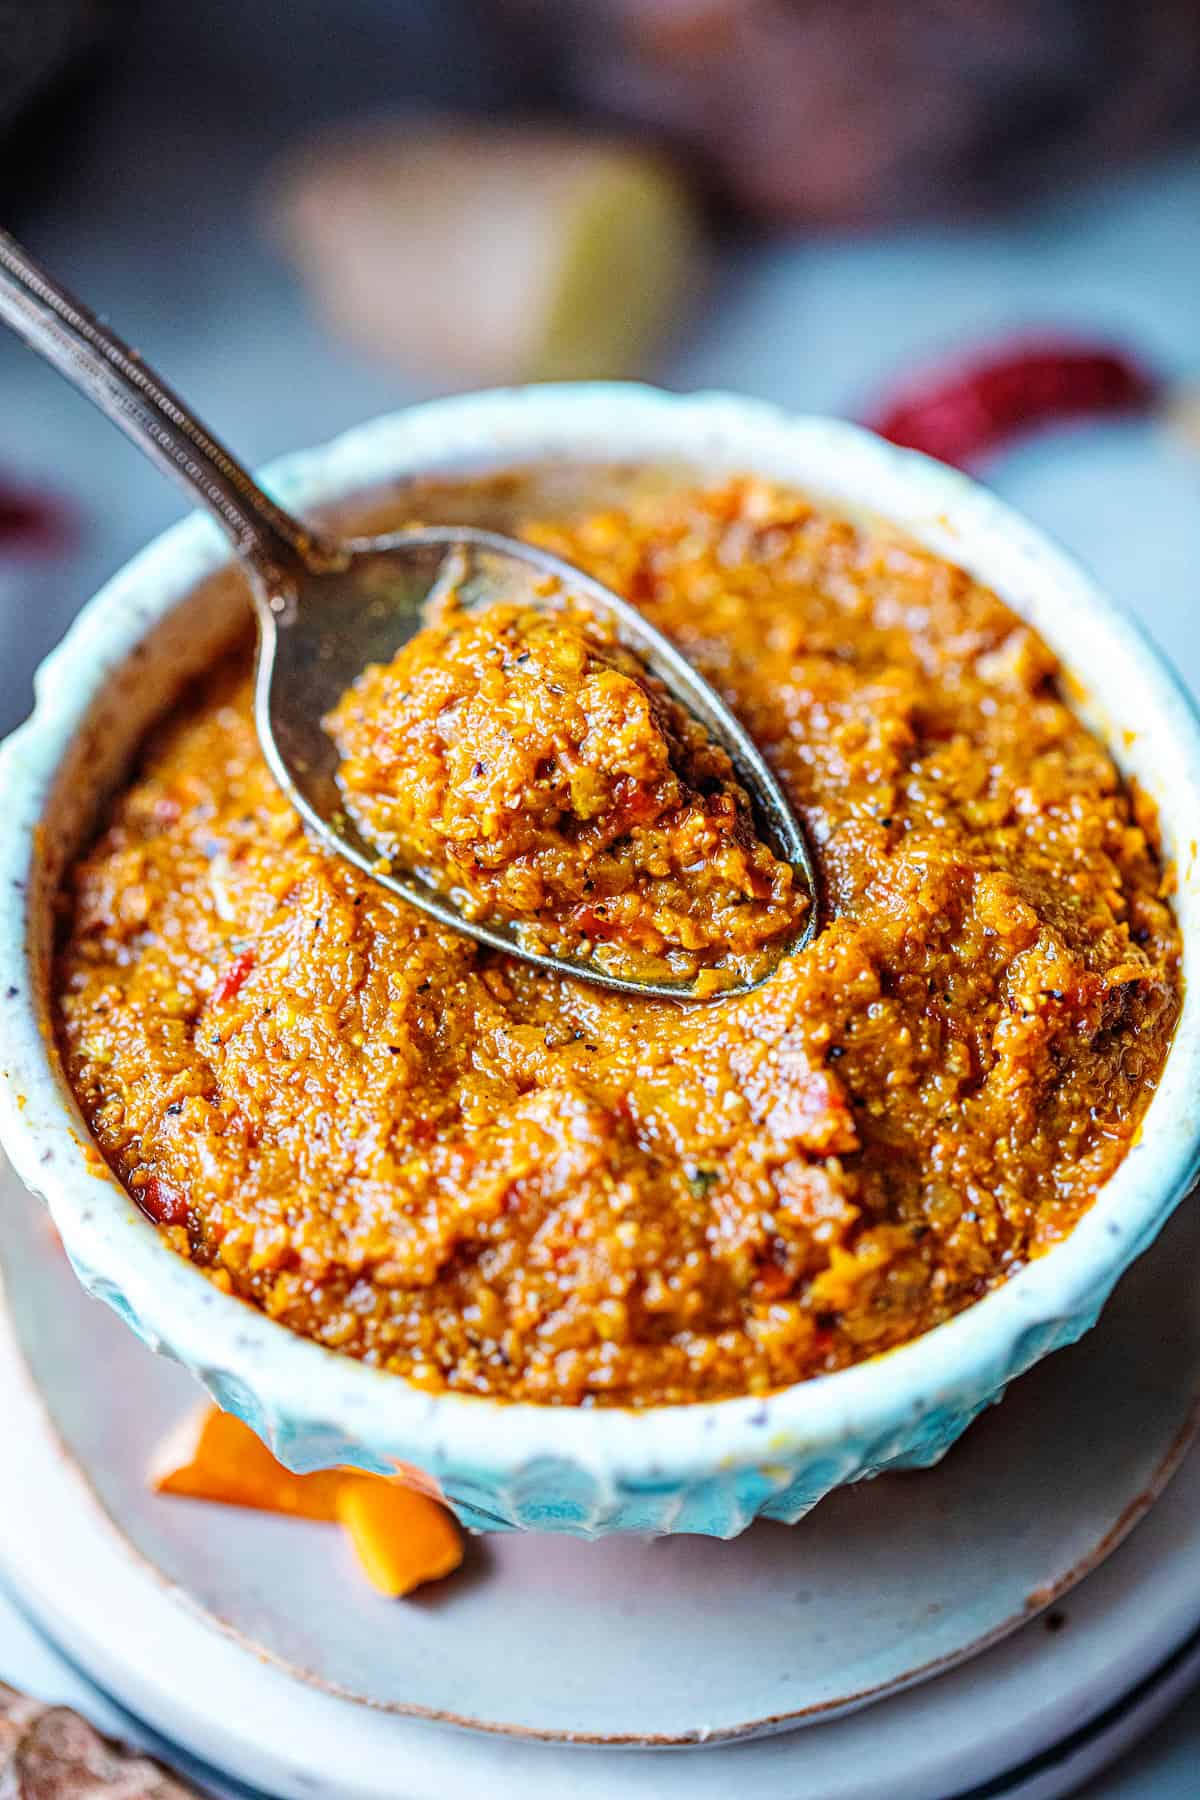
[529,763]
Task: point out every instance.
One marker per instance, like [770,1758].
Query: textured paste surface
[452,1166]
[529,763]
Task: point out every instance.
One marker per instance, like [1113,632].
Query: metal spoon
[327,609]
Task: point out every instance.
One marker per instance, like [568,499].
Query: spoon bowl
[326,610]
[314,644]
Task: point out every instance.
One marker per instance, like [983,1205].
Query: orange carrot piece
[214,1456]
[402,1538]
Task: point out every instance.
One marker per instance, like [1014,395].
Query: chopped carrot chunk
[214,1456]
[403,1539]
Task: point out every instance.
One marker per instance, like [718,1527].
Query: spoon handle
[115,378]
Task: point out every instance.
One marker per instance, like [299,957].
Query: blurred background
[975,223]
[310,211]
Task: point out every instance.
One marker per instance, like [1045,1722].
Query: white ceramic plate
[1047,1774]
[678,1640]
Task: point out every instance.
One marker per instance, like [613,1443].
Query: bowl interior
[168,615]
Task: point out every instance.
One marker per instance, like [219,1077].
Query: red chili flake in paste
[164,1203]
[234,977]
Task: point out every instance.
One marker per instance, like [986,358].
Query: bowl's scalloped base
[558,1495]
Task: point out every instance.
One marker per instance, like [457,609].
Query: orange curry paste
[492,1180]
[528,762]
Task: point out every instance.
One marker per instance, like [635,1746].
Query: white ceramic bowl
[709,1468]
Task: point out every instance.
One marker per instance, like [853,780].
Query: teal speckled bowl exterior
[708,1468]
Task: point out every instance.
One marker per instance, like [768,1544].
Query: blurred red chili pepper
[33,522]
[960,412]
[233,978]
